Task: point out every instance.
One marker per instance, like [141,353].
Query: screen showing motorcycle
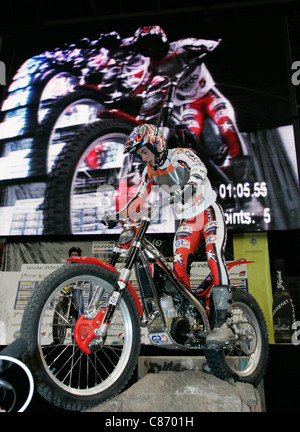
[223,90]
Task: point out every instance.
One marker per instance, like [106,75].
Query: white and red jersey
[201,217]
[181,167]
[199,81]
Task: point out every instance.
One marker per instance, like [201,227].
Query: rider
[197,95]
[195,206]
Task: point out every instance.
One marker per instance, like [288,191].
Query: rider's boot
[221,333]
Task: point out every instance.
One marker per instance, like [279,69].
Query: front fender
[107,266]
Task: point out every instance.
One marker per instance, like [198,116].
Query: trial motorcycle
[83,322]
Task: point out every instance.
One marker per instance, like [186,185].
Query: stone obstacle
[179,385]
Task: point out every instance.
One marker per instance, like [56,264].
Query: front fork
[122,281]
[113,302]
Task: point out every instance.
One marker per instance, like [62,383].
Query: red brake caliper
[84,330]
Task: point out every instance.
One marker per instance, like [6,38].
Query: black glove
[110,223]
[186,193]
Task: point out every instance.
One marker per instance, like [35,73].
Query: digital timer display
[243,190]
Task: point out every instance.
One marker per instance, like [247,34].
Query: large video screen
[221,89]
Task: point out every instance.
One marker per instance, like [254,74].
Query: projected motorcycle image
[63,139]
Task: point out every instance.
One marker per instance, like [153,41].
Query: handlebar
[140,216]
[151,214]
[195,62]
[168,81]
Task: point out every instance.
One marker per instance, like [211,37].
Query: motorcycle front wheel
[245,359]
[64,375]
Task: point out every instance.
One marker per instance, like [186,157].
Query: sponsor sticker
[160,339]
[103,247]
[182,243]
[121,284]
[185,229]
[211,239]
[114,298]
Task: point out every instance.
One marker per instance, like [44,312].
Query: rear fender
[107,266]
[237,262]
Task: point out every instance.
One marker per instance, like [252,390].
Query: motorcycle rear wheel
[64,375]
[246,360]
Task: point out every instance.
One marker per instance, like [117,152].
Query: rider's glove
[185,194]
[110,221]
